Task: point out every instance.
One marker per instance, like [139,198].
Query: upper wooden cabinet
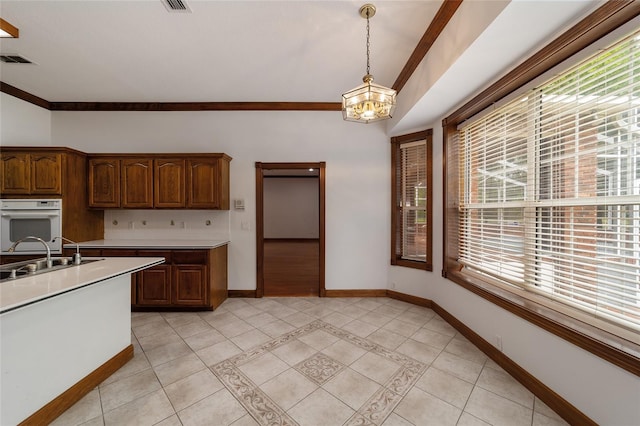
[31,173]
[175,181]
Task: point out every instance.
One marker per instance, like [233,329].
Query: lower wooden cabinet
[189,279]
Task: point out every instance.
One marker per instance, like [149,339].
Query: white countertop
[151,244]
[27,290]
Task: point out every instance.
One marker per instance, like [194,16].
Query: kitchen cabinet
[136,183]
[52,172]
[189,278]
[31,173]
[176,181]
[104,182]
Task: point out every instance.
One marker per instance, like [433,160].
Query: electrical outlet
[499,342]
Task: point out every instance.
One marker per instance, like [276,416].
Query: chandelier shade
[368,102]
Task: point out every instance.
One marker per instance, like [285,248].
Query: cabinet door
[46,174]
[168,183]
[189,285]
[15,173]
[104,182]
[154,286]
[203,185]
[137,183]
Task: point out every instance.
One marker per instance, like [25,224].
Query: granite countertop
[27,290]
[151,244]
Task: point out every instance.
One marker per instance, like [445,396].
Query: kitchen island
[193,276]
[62,333]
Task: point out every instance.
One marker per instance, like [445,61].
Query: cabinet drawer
[119,252]
[190,257]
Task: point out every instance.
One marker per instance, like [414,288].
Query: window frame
[610,347]
[397,230]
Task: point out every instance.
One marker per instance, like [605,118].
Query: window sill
[412,264]
[617,350]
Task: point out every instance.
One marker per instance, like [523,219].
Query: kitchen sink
[28,268]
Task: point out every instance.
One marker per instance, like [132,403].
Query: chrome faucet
[49,261]
[76,259]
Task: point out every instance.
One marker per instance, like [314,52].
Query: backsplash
[167,224]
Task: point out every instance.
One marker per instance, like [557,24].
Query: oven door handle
[28,215]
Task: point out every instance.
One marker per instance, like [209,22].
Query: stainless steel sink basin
[28,268]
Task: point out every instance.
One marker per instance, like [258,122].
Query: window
[549,196]
[411,197]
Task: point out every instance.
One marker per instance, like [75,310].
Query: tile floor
[306,361]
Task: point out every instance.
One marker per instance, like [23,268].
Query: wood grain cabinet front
[34,173]
[175,181]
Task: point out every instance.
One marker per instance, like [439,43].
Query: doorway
[290,222]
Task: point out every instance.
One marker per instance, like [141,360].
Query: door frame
[260,168]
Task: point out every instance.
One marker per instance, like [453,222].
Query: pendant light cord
[368,42]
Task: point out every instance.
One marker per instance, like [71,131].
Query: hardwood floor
[291,267]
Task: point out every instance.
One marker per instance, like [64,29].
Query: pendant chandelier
[368,102]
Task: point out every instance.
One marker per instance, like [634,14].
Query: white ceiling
[271,51]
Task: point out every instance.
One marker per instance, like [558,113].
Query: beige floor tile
[219,352]
[85,410]
[542,408]
[219,409]
[421,408]
[320,408]
[159,326]
[375,367]
[359,328]
[542,420]
[318,339]
[337,319]
[319,368]
[396,420]
[466,350]
[386,338]
[431,338]
[369,303]
[282,312]
[351,387]
[418,351]
[204,339]
[250,339]
[276,328]
[220,319]
[402,328]
[448,388]
[135,365]
[288,388]
[147,410]
[179,319]
[233,329]
[246,312]
[153,341]
[497,410]
[141,318]
[178,368]
[245,420]
[376,319]
[263,368]
[354,311]
[390,311]
[461,368]
[503,384]
[193,388]
[467,419]
[191,328]
[439,325]
[344,352]
[166,353]
[293,352]
[298,319]
[415,318]
[125,390]
[260,319]
[170,421]
[96,421]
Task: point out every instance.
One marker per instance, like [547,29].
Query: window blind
[550,188]
[413,200]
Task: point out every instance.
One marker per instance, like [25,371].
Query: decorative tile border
[319,368]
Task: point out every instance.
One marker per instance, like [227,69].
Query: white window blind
[413,200]
[551,188]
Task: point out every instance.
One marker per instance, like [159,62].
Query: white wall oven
[22,218]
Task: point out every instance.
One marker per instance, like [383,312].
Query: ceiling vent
[14,59]
[176,6]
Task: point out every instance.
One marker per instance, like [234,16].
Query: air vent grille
[176,6]
[14,59]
